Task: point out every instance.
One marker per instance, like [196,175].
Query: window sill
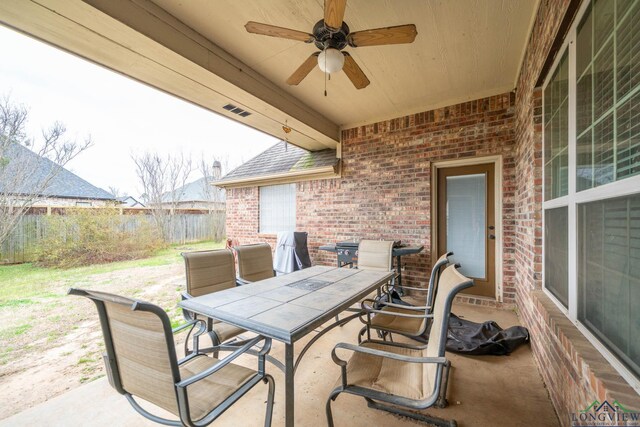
[583,356]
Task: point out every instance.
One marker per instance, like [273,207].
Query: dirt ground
[63,346]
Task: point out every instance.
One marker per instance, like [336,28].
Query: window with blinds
[608,93]
[277,208]
[556,255]
[556,115]
[591,181]
[609,274]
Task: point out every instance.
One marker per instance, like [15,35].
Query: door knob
[491,227]
[492,236]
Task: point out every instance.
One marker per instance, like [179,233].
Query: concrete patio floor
[484,391]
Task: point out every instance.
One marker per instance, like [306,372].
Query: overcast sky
[121,115]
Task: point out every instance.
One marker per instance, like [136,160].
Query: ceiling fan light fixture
[330,60]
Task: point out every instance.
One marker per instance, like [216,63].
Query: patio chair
[376,255]
[141,362]
[412,321]
[208,272]
[255,262]
[373,255]
[413,377]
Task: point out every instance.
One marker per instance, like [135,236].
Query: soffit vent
[236,110]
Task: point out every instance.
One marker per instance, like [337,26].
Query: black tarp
[467,337]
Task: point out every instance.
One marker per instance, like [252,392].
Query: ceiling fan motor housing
[325,38]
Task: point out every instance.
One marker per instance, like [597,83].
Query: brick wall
[384,192]
[574,371]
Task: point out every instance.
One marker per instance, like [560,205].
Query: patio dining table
[286,308]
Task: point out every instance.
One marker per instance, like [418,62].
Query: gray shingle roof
[65,184]
[280,158]
[195,192]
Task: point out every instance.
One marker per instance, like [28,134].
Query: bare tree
[115,192]
[161,179]
[28,167]
[214,196]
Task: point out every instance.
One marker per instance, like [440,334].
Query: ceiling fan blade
[303,70]
[380,36]
[334,13]
[353,71]
[273,31]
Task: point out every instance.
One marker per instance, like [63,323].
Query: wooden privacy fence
[183,227]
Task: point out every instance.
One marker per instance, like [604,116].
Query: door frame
[497,164]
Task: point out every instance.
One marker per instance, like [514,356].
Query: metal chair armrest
[196,341]
[387,354]
[412,288]
[405,307]
[359,349]
[224,362]
[395,313]
[180,328]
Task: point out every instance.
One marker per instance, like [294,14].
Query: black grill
[347,253]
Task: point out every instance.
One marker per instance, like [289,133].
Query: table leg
[399,271]
[289,412]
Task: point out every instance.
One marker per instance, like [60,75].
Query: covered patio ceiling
[200,51]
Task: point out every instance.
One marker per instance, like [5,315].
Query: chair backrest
[435,276]
[141,357]
[451,282]
[375,255]
[255,262]
[209,271]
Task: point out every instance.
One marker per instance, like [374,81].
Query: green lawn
[19,283]
[38,318]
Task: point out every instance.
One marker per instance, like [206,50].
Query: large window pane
[609,274]
[277,208]
[584,157]
[556,132]
[628,48]
[584,106]
[628,138]
[556,253]
[608,73]
[583,45]
[603,151]
[603,22]
[603,81]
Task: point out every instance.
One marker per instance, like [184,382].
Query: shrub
[93,236]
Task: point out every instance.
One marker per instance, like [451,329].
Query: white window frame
[625,187]
[293,188]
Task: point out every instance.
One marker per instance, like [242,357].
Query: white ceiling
[465,49]
[200,51]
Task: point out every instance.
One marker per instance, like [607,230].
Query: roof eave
[323,172]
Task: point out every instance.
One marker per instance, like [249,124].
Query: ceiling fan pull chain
[325,84]
[325,75]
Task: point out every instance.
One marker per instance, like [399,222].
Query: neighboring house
[199,194]
[65,189]
[272,176]
[129,202]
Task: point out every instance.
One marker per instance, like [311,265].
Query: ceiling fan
[331,35]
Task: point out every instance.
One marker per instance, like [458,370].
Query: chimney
[217,170]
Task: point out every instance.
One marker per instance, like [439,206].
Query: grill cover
[291,252]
